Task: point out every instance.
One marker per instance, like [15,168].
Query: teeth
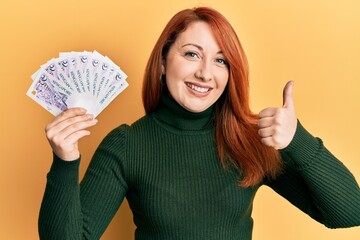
[198,89]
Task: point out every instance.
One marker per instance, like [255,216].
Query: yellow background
[315,43]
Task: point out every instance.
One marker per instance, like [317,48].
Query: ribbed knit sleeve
[318,183]
[73,211]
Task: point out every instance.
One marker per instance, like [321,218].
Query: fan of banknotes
[77,79]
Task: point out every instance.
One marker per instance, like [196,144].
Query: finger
[76,136]
[74,127]
[71,112]
[265,122]
[267,112]
[288,101]
[266,132]
[268,141]
[55,129]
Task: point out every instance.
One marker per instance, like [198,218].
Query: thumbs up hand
[277,126]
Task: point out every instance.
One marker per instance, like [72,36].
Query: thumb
[288,101]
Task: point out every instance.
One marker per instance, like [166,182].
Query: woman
[191,166]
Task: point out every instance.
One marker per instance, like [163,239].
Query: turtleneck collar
[174,115]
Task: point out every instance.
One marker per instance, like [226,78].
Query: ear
[163,67]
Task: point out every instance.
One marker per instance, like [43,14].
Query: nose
[204,71]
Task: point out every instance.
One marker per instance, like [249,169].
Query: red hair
[236,130]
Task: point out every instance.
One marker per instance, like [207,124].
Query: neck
[173,114]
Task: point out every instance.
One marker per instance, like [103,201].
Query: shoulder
[119,139]
[121,132]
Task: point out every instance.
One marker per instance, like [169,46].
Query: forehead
[199,33]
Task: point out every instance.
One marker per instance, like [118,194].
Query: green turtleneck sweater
[166,165]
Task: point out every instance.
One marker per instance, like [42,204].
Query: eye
[191,54]
[221,61]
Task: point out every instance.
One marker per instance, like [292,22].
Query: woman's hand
[277,126]
[64,132]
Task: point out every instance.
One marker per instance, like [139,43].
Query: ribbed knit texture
[166,165]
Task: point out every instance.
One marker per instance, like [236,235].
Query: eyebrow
[198,46]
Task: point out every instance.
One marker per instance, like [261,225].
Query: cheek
[171,72]
[176,72]
[172,81]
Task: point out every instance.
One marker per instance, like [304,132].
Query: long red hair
[236,130]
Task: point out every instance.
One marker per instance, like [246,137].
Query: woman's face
[195,68]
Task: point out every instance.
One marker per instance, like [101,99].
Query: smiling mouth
[197,88]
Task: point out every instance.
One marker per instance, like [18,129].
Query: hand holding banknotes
[64,132]
[75,87]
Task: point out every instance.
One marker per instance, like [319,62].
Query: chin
[197,109]
[196,106]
